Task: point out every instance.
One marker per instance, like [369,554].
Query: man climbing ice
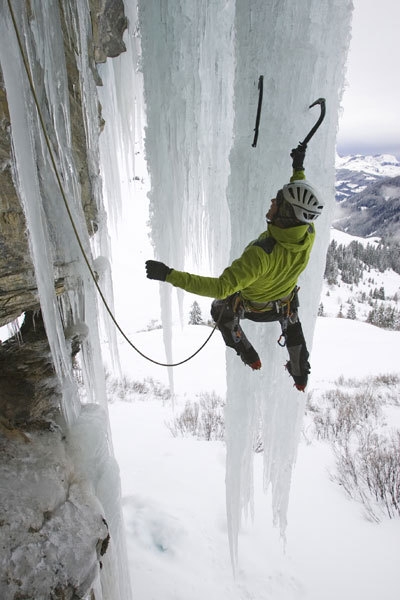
[261,285]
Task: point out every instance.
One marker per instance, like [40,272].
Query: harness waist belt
[250,306]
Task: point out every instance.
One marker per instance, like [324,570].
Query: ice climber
[261,285]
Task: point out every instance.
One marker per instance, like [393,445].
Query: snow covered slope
[174,489]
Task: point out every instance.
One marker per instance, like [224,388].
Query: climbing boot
[250,357]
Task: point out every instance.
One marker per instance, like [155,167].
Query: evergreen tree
[195,316]
[353,260]
[331,265]
[321,310]
[351,313]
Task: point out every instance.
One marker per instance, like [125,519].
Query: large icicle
[187,68]
[300,49]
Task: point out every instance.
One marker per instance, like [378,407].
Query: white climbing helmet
[304,199]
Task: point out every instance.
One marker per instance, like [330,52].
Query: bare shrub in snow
[350,417]
[369,471]
[203,420]
[388,379]
[343,412]
[187,423]
[129,390]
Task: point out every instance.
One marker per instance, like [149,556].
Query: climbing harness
[288,315]
[238,313]
[285,308]
[258,116]
[74,227]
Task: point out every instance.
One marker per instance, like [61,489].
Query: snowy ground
[174,490]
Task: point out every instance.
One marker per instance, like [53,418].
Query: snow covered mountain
[355,173]
[368,195]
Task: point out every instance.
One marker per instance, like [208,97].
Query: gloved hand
[157,270]
[298,154]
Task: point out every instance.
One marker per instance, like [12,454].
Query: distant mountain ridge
[368,195]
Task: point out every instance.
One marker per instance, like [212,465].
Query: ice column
[300,49]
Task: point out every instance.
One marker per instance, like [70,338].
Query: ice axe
[303,145]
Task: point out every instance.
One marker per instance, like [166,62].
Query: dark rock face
[17,281]
[18,290]
[109,23]
[29,394]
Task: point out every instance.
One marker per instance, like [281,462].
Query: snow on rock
[52,530]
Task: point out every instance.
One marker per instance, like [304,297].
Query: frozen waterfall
[210,189]
[196,66]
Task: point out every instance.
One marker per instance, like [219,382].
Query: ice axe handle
[321,102]
[258,116]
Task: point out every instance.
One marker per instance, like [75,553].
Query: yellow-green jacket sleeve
[239,275]
[297,175]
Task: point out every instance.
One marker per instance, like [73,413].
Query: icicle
[28,155]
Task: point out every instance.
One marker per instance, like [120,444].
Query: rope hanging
[63,194]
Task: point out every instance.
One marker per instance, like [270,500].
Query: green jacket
[260,276]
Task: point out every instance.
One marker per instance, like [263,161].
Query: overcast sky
[370,123]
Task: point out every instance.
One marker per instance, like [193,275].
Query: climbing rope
[64,197]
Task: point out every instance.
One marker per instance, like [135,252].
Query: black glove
[157,270]
[298,154]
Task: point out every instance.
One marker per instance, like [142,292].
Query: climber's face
[273,210]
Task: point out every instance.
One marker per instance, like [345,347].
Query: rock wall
[29,389]
[18,291]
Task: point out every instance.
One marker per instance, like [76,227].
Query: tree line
[350,263]
[352,260]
